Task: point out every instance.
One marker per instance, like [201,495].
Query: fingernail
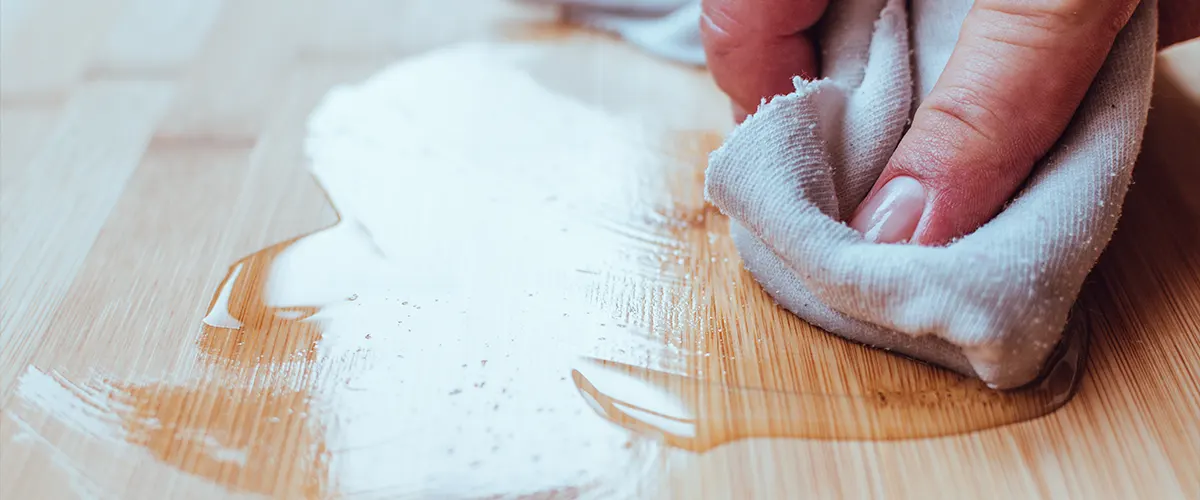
[891,216]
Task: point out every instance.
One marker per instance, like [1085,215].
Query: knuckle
[716,36]
[966,113]
[1046,17]
[719,19]
[1052,17]
[761,18]
[1119,16]
[722,52]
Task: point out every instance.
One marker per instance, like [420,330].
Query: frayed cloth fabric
[993,304]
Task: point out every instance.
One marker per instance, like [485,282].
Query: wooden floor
[452,249]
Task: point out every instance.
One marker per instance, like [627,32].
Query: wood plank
[229,89]
[354,28]
[23,132]
[37,61]
[156,36]
[217,202]
[56,204]
[550,308]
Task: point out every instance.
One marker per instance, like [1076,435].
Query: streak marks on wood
[147,145]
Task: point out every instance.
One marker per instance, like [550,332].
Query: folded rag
[992,304]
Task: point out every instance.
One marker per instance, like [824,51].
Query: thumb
[1017,74]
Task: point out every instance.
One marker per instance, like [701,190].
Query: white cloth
[993,304]
[666,28]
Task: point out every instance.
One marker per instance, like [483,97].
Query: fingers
[1017,74]
[755,47]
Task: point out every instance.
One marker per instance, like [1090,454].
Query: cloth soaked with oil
[992,304]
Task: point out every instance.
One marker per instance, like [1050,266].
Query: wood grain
[154,146]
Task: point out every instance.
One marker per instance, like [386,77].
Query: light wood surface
[487,274]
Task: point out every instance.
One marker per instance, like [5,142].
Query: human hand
[1016,76]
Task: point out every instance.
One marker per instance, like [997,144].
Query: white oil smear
[473,202]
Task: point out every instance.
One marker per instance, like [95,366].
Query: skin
[1016,76]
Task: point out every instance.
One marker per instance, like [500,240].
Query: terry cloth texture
[992,304]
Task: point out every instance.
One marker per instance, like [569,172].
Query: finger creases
[754,49]
[1013,82]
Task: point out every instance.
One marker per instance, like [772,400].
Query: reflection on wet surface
[243,328]
[697,415]
[524,295]
[248,439]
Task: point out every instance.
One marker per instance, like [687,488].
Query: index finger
[1017,73]
[755,47]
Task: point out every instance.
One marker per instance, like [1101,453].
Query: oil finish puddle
[525,295]
[699,415]
[258,440]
